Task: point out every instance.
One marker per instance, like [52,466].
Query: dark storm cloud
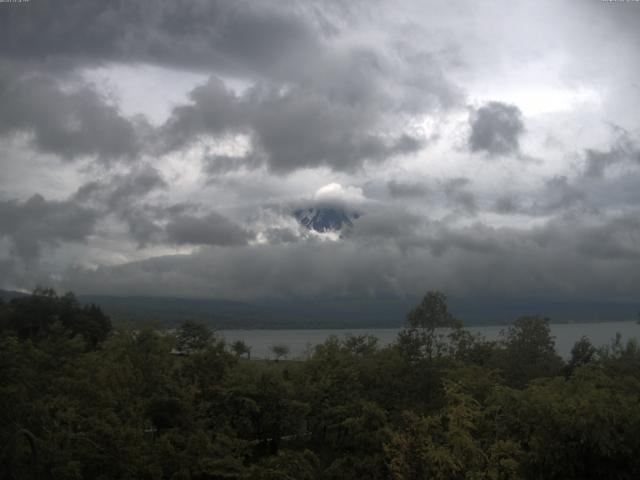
[315,101]
[506,204]
[379,223]
[556,195]
[259,40]
[495,129]
[459,197]
[296,129]
[123,195]
[276,236]
[219,164]
[476,239]
[120,190]
[561,194]
[594,236]
[127,197]
[624,150]
[262,270]
[214,110]
[578,253]
[399,189]
[339,108]
[306,129]
[238,37]
[37,222]
[68,123]
[300,85]
[211,229]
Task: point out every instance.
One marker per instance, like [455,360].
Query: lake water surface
[301,341]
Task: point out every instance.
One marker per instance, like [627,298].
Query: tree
[280,350]
[193,336]
[449,444]
[360,344]
[582,353]
[528,351]
[432,312]
[420,337]
[239,347]
[44,313]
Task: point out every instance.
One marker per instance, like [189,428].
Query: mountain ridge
[325,219]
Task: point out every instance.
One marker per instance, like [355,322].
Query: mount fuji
[325,219]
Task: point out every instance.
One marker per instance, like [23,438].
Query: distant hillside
[346,312]
[351,312]
[9,294]
[326,313]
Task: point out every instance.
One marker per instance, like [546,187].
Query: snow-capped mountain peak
[325,219]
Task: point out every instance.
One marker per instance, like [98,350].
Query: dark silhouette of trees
[193,336]
[240,348]
[122,406]
[280,350]
[35,317]
[528,351]
[582,353]
[420,338]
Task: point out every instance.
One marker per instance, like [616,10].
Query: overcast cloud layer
[160,147]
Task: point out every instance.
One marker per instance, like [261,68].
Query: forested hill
[9,294]
[81,400]
[353,312]
[344,312]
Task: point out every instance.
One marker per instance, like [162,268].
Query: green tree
[450,445]
[239,347]
[280,350]
[582,353]
[583,427]
[420,338]
[360,344]
[528,351]
[193,336]
[39,316]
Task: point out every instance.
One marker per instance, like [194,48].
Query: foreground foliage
[78,400]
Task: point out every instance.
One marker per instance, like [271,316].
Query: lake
[300,341]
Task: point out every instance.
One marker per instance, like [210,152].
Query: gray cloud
[276,236]
[128,198]
[216,165]
[211,229]
[240,37]
[555,259]
[122,195]
[506,204]
[316,101]
[303,95]
[37,222]
[495,129]
[457,194]
[214,110]
[624,150]
[119,190]
[558,194]
[306,129]
[68,123]
[296,129]
[399,189]
[384,223]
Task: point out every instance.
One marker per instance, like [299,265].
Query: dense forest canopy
[79,399]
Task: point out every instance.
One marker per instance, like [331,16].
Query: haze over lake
[300,341]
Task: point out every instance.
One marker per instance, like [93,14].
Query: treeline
[81,401]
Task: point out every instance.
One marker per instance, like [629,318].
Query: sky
[160,147]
